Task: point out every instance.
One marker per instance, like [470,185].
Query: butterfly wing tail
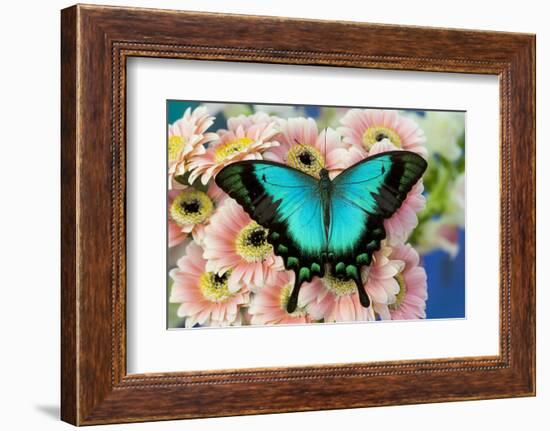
[363,296]
[304,274]
[352,272]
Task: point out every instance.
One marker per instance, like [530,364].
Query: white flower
[441,233]
[443,130]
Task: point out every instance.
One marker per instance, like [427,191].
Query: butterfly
[323,224]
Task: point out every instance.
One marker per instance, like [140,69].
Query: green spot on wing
[292,262]
[304,274]
[363,259]
[352,272]
[282,249]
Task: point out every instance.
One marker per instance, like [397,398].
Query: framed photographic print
[293,214]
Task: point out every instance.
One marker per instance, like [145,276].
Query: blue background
[446,281]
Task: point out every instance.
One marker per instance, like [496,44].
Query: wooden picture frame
[96,41]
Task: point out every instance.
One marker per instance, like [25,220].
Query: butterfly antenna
[325,151]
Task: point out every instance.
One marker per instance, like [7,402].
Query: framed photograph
[330,222]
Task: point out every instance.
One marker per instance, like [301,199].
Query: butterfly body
[320,224]
[325,189]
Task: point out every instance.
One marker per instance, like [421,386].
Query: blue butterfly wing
[363,196]
[288,203]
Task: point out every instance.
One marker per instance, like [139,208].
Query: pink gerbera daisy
[186,138]
[363,128]
[400,225]
[189,210]
[337,301]
[175,234]
[410,300]
[204,296]
[304,148]
[268,306]
[247,121]
[234,242]
[245,142]
[381,283]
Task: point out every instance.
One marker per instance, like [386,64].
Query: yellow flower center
[231,148]
[251,243]
[214,287]
[283,301]
[376,134]
[175,145]
[191,207]
[401,294]
[338,286]
[306,158]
